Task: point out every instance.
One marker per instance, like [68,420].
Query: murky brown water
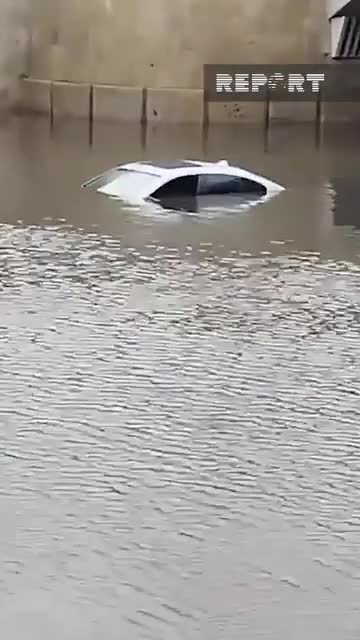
[180,397]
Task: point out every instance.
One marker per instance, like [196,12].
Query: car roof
[171,164]
[184,168]
[161,168]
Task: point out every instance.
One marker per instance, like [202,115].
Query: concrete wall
[164,43]
[145,58]
[13,47]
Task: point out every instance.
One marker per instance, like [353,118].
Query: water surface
[179,395]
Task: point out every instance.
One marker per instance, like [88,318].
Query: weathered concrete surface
[285,112]
[175,105]
[162,44]
[255,112]
[71,100]
[13,47]
[160,47]
[235,112]
[118,103]
[34,96]
[340,112]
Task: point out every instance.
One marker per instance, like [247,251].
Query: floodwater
[180,396]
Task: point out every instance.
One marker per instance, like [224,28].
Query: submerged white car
[139,182]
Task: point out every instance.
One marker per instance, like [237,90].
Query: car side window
[184,186]
[219,184]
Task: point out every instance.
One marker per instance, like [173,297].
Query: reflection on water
[346,200]
[180,411]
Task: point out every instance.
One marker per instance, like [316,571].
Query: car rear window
[122,176]
[122,182]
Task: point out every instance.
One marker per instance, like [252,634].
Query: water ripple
[180,447]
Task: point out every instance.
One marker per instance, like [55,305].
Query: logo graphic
[287,83]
